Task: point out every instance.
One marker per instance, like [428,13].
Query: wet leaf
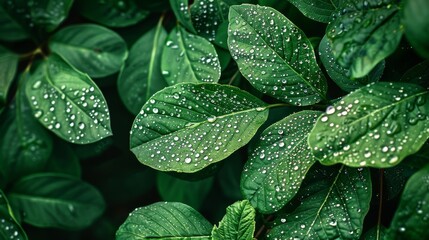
[237,224]
[11,27]
[274,55]
[415,17]
[9,227]
[275,169]
[56,200]
[333,205]
[167,220]
[8,67]
[321,10]
[342,76]
[189,58]
[141,75]
[113,13]
[90,48]
[186,127]
[68,102]
[183,14]
[411,218]
[363,33]
[377,125]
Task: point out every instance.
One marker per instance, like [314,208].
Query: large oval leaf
[56,200]
[8,67]
[168,220]
[90,48]
[363,33]
[11,27]
[237,224]
[68,102]
[411,217]
[189,58]
[321,10]
[113,13]
[377,125]
[274,172]
[141,75]
[333,205]
[9,227]
[415,17]
[274,55]
[187,127]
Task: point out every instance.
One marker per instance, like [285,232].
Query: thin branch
[380,203]
[263,227]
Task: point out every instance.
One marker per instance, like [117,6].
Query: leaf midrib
[49,200]
[153,55]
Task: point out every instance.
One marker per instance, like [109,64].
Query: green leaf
[274,55]
[189,58]
[168,220]
[396,177]
[186,127]
[363,33]
[8,25]
[8,66]
[321,10]
[9,227]
[113,13]
[276,167]
[183,14]
[419,74]
[341,75]
[141,75]
[90,48]
[207,15]
[68,102]
[377,125]
[415,17]
[411,218]
[172,189]
[25,146]
[333,205]
[237,224]
[56,200]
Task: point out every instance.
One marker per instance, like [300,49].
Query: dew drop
[37,84]
[81,125]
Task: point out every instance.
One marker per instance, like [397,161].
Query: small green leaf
[377,125]
[411,218]
[275,169]
[8,66]
[321,10]
[183,14]
[237,224]
[189,58]
[9,227]
[363,33]
[113,13]
[168,220]
[187,127]
[141,75]
[90,48]
[342,76]
[56,200]
[415,17]
[332,205]
[68,102]
[174,189]
[419,74]
[274,55]
[8,25]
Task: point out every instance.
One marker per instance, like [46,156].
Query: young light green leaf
[165,220]
[415,17]
[9,227]
[274,55]
[377,125]
[90,48]
[182,12]
[68,102]
[363,33]
[189,58]
[321,10]
[275,169]
[411,218]
[186,127]
[56,200]
[341,75]
[8,25]
[113,13]
[237,224]
[172,189]
[333,205]
[8,66]
[141,75]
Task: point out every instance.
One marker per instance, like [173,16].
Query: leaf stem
[233,77]
[263,227]
[380,203]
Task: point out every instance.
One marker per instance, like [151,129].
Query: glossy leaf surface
[9,227]
[321,10]
[183,14]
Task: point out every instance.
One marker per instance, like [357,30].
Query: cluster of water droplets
[7,224]
[207,15]
[275,55]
